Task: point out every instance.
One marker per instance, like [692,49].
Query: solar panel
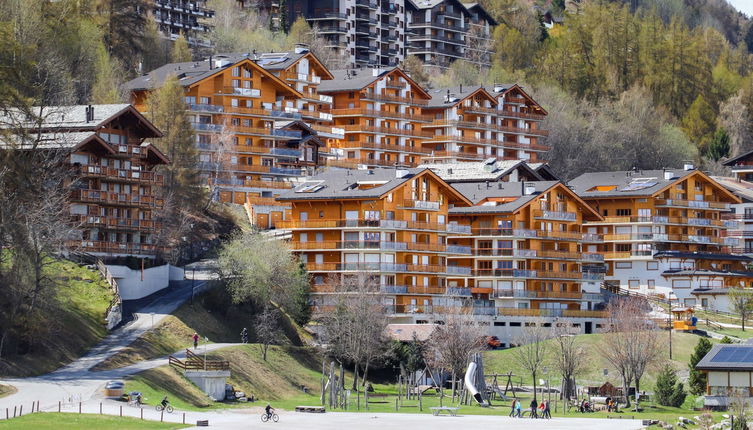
[638,186]
[734,354]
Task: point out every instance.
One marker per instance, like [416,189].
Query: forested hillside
[627,83]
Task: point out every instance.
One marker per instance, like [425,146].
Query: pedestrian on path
[244,335]
[518,407]
[512,408]
[195,340]
[533,409]
[547,410]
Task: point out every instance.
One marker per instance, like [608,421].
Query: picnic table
[436,410]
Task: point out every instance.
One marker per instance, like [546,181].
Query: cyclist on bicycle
[165,402]
[269,410]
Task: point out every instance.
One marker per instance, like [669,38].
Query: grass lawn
[57,421]
[212,315]
[287,369]
[504,361]
[75,323]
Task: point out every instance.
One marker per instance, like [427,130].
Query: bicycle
[168,408]
[273,417]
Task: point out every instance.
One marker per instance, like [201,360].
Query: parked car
[493,342]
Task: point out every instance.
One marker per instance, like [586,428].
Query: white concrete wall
[211,382]
[131,285]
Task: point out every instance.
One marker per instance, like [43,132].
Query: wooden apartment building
[664,231]
[116,192]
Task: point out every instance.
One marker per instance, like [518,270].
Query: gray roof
[351,79]
[64,117]
[701,256]
[343,184]
[439,96]
[679,272]
[489,170]
[710,291]
[479,191]
[740,188]
[728,356]
[194,71]
[628,183]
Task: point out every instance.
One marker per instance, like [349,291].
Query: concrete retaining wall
[133,287]
[211,382]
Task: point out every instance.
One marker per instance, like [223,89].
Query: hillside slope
[75,321]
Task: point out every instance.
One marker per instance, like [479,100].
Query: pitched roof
[192,72]
[746,156]
[740,188]
[701,256]
[725,356]
[477,192]
[351,80]
[448,97]
[489,170]
[626,183]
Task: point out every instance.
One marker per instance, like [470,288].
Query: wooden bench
[436,410]
[311,409]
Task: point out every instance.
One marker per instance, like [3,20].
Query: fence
[194,361]
[114,313]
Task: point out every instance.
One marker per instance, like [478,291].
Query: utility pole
[670,327]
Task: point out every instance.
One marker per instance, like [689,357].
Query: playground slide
[469,383]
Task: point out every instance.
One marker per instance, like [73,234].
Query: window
[247,73]
[652,265]
[624,212]
[234,102]
[514,324]
[499,323]
[650,284]
[623,265]
[205,100]
[237,71]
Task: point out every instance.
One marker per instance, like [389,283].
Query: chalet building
[728,370]
[391,223]
[188,17]
[442,31]
[512,251]
[741,183]
[664,231]
[257,118]
[115,190]
[472,123]
[381,114]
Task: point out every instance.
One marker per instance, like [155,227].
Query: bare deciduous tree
[532,348]
[267,328]
[631,344]
[451,345]
[569,357]
[355,328]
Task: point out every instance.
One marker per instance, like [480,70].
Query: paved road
[75,382]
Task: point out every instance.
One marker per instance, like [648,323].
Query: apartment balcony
[480,109]
[372,224]
[112,174]
[115,247]
[325,15]
[436,24]
[664,237]
[415,38]
[214,128]
[401,149]
[380,245]
[385,267]
[236,91]
[340,113]
[531,294]
[504,113]
[696,204]
[367,4]
[664,220]
[325,99]
[368,95]
[115,199]
[329,29]
[572,313]
[523,254]
[420,205]
[629,255]
[536,274]
[555,215]
[389,131]
[113,223]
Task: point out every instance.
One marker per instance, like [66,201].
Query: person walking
[533,409]
[547,410]
[512,408]
[195,340]
[518,408]
[244,335]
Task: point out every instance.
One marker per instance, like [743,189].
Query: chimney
[89,113]
[301,48]
[461,88]
[499,185]
[668,175]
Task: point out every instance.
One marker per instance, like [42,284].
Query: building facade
[510,252]
[442,31]
[115,191]
[664,231]
[381,115]
[472,123]
[254,130]
[188,17]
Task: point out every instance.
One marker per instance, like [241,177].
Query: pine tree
[667,390]
[697,379]
[699,123]
[719,146]
[726,340]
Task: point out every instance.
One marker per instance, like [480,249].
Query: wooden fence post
[7,414]
[184,417]
[162,415]
[121,410]
[14,411]
[60,406]
[100,408]
[79,407]
[21,410]
[142,413]
[32,406]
